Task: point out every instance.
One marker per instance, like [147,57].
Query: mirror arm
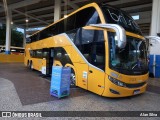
[121,34]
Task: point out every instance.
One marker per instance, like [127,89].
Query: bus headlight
[116,82]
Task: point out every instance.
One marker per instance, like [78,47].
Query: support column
[57,10]
[155,23]
[155,28]
[24,38]
[8,32]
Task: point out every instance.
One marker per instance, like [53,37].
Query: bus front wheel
[73,79]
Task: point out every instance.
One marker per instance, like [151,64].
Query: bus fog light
[114,91]
[116,82]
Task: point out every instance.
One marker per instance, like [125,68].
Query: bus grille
[135,85]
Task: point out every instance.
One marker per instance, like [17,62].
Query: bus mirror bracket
[120,32]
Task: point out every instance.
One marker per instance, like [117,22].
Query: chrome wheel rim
[73,79]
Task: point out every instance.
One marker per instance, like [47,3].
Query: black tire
[31,65]
[151,75]
[73,79]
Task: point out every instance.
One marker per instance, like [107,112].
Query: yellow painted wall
[11,58]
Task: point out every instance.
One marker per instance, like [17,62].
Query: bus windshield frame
[130,60]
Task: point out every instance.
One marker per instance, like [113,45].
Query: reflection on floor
[32,88]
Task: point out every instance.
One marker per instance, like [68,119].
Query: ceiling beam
[34,23]
[70,3]
[143,15]
[17,25]
[21,4]
[142,21]
[43,16]
[48,8]
[33,17]
[137,7]
[121,2]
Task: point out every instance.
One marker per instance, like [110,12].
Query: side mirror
[120,32]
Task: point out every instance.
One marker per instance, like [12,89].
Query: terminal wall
[4,58]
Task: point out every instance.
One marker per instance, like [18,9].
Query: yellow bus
[103,46]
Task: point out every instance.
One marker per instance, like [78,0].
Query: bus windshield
[129,60]
[116,16]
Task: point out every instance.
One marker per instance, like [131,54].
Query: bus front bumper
[112,90]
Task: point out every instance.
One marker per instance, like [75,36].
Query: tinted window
[75,21]
[72,34]
[84,36]
[53,30]
[61,55]
[36,53]
[116,16]
[34,38]
[45,53]
[88,36]
[91,44]
[45,34]
[31,53]
[86,17]
[98,58]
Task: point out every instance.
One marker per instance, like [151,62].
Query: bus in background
[13,49]
[154,56]
[103,46]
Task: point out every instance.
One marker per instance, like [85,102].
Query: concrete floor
[24,90]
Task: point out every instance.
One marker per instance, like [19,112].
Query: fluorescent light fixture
[27,20]
[135,17]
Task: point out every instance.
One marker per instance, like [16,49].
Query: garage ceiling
[41,12]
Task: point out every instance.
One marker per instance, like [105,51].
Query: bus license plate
[136,92]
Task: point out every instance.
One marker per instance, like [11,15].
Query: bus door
[92,46]
[49,61]
[96,80]
[96,74]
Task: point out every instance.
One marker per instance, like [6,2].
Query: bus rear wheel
[31,65]
[28,64]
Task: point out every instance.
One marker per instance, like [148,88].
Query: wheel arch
[74,69]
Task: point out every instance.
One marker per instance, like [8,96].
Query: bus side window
[72,35]
[31,53]
[91,44]
[61,55]
[45,53]
[83,41]
[52,53]
[34,38]
[99,55]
